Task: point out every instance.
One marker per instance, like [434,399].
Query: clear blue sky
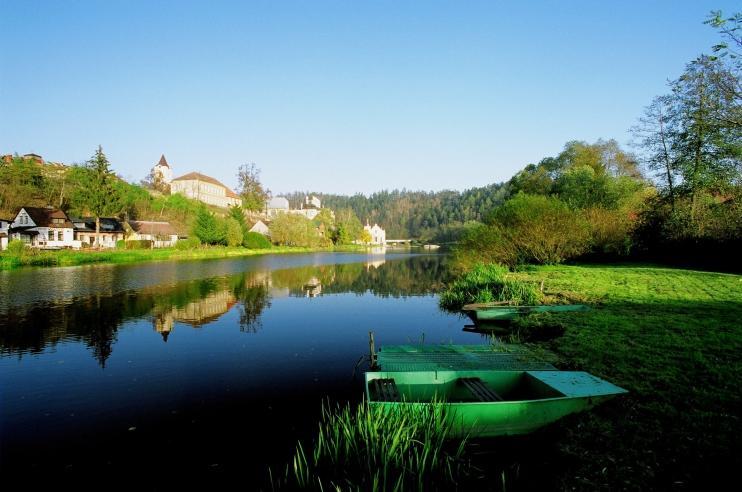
[340,96]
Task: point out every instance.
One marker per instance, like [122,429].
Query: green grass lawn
[82,257]
[673,338]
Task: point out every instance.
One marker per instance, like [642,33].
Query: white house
[378,235]
[4,226]
[110,231]
[43,228]
[205,189]
[275,206]
[162,234]
[260,228]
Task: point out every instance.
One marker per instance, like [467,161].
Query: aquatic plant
[400,447]
[489,283]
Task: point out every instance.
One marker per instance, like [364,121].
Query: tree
[294,230]
[207,228]
[96,191]
[238,214]
[233,234]
[154,181]
[654,135]
[347,227]
[250,189]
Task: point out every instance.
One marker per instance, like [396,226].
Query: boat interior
[458,386]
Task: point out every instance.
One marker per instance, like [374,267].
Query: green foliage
[255,240]
[16,247]
[139,244]
[348,227]
[250,189]
[233,232]
[488,283]
[407,447]
[21,183]
[121,244]
[96,189]
[188,243]
[294,230]
[207,228]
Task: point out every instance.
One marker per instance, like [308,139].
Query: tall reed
[395,448]
[489,283]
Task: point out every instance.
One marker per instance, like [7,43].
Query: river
[210,368]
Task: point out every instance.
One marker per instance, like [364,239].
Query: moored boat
[501,312]
[487,403]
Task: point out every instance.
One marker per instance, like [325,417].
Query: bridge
[398,241]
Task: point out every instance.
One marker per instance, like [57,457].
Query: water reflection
[95,320]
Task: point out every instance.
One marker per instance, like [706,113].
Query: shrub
[120,244]
[255,240]
[139,244]
[541,229]
[489,283]
[232,232]
[16,247]
[189,243]
[294,230]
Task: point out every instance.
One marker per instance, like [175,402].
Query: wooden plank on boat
[480,390]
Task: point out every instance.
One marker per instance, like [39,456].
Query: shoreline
[63,258]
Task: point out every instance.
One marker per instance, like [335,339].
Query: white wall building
[310,208]
[4,226]
[162,234]
[163,170]
[378,235]
[205,189]
[43,228]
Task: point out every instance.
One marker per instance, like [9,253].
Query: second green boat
[501,312]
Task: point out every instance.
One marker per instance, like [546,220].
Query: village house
[111,230]
[41,227]
[261,228]
[162,234]
[205,189]
[4,226]
[310,208]
[378,235]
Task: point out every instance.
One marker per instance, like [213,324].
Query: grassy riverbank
[673,338]
[71,257]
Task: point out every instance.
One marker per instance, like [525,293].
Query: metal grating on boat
[457,357]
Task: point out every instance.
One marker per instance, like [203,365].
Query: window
[51,235]
[60,236]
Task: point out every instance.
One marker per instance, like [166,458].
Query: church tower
[163,169]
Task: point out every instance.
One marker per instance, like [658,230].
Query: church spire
[163,162]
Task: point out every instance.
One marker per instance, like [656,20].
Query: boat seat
[385,389]
[481,391]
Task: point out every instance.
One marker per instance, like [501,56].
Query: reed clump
[394,448]
[489,283]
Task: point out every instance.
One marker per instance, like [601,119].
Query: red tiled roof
[207,179]
[163,162]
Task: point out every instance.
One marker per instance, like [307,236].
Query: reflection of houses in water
[313,287]
[196,313]
[374,264]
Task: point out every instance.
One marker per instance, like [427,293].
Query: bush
[294,230]
[16,247]
[139,244]
[489,283]
[120,244]
[189,243]
[255,240]
[232,232]
[541,229]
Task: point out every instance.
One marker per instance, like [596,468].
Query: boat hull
[509,313]
[531,399]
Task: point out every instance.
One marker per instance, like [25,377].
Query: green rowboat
[500,312]
[492,403]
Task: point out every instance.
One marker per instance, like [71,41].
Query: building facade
[205,189]
[162,234]
[163,171]
[378,235]
[41,227]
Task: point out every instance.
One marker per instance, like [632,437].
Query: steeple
[163,162]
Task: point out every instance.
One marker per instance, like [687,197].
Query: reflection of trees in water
[95,320]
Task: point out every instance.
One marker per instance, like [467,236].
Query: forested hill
[415,214]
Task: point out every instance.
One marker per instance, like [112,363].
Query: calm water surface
[211,368]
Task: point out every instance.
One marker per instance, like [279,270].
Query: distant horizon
[343,98]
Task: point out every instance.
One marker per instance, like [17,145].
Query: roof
[42,217]
[207,179]
[278,202]
[107,224]
[154,228]
[163,161]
